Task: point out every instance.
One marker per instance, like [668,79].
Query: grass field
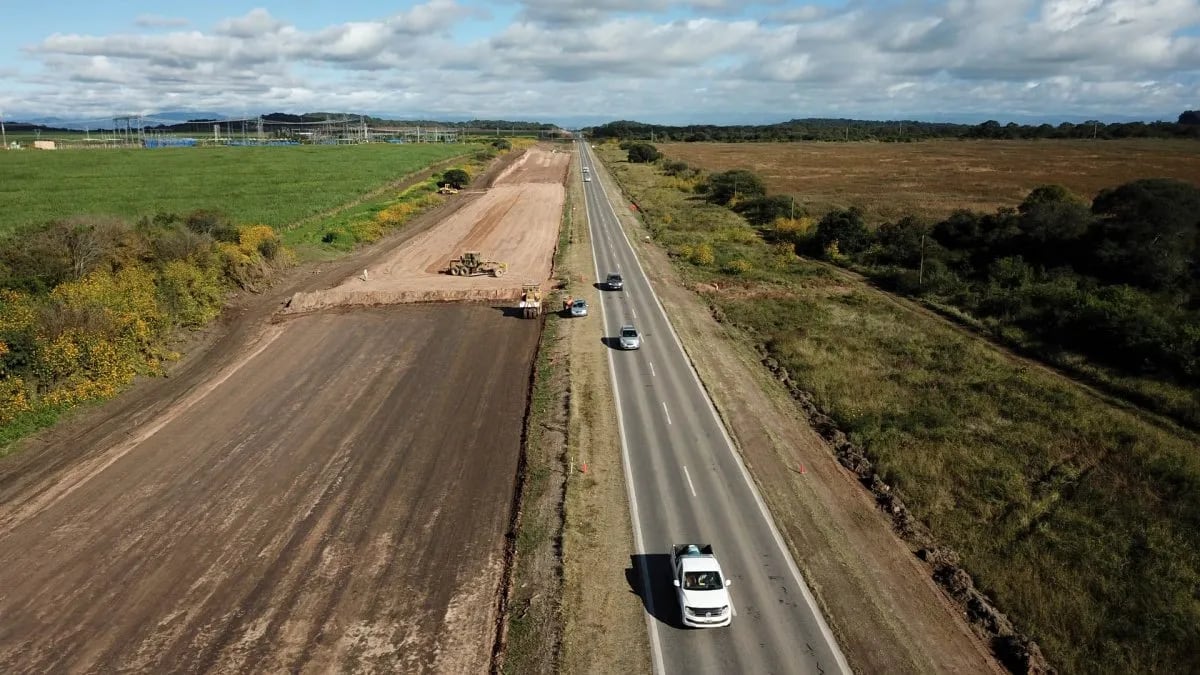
[1079,519]
[269,185]
[933,178]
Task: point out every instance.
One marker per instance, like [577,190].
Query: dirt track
[516,221]
[347,515]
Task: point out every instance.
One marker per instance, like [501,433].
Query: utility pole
[793,213]
[921,274]
[3,133]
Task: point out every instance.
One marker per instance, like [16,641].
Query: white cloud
[626,58]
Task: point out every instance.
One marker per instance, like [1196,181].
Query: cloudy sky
[670,61]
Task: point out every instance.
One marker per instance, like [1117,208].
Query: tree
[904,242]
[760,211]
[1148,232]
[456,178]
[722,188]
[643,153]
[1052,221]
[1189,117]
[846,229]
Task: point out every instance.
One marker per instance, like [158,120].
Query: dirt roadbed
[349,516]
[515,222]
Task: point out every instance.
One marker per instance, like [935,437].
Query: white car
[629,338]
[701,587]
[579,308]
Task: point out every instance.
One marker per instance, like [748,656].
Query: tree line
[822,129]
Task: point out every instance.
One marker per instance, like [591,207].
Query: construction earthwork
[515,222]
[320,492]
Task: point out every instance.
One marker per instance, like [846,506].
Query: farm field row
[266,185]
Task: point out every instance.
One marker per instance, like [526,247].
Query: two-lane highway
[687,485]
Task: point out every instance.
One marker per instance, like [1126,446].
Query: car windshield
[628,332]
[580,303]
[701,581]
[614,277]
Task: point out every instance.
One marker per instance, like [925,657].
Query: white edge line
[762,507]
[651,622]
[688,476]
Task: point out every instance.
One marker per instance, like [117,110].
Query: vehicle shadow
[511,312]
[601,286]
[612,343]
[659,598]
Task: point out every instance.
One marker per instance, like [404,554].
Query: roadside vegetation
[89,302]
[1077,517]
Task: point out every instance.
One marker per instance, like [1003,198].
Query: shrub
[728,186]
[190,295]
[737,266]
[846,228]
[456,178]
[641,153]
[703,255]
[213,223]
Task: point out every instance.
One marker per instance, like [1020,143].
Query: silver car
[629,338]
[579,308]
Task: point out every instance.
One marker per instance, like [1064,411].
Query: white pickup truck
[701,587]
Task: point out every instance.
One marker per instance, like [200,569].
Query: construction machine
[472,263]
[531,301]
[447,190]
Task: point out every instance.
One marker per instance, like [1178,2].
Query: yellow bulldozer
[472,263]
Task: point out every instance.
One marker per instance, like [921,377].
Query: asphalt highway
[687,484]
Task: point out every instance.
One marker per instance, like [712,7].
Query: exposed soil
[878,598]
[515,221]
[328,493]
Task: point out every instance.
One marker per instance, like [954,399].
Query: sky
[570,62]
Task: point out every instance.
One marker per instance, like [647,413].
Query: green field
[270,185]
[1079,518]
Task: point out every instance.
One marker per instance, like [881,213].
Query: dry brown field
[934,178]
